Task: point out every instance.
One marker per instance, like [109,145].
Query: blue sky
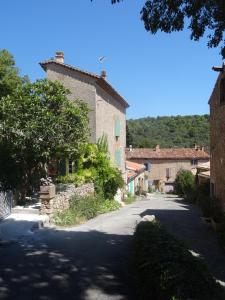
[165,74]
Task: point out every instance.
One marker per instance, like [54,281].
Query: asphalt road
[92,261]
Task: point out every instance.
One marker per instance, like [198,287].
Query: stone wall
[217,143]
[61,201]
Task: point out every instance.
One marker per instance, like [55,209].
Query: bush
[84,208]
[165,268]
[184,185]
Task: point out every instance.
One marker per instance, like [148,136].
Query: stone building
[217,137]
[136,178]
[163,165]
[107,107]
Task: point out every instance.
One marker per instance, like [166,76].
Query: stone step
[25,210]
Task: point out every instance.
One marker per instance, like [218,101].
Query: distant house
[136,178]
[107,107]
[217,137]
[163,165]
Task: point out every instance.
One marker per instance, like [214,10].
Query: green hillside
[168,132]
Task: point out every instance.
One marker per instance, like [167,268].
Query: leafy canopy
[38,123]
[168,132]
[171,15]
[9,74]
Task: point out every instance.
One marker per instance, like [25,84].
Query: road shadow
[184,221]
[54,264]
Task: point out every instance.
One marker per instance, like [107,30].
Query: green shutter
[118,157]
[117,127]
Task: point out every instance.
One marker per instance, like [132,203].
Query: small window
[147,166]
[222,91]
[194,162]
[168,173]
[70,166]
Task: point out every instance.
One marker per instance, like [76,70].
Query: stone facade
[61,201]
[106,106]
[217,138]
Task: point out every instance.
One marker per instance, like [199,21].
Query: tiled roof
[100,80]
[205,174]
[130,165]
[205,166]
[175,153]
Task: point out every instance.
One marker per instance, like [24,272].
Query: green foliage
[80,177]
[9,74]
[129,199]
[38,123]
[103,143]
[169,16]
[84,208]
[184,184]
[168,132]
[94,165]
[165,268]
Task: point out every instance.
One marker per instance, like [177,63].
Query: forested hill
[168,132]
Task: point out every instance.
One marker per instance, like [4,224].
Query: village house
[163,165]
[136,178]
[217,137]
[107,107]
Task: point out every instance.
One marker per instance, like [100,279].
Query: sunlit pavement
[92,261]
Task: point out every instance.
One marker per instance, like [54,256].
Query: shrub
[165,268]
[84,208]
[184,185]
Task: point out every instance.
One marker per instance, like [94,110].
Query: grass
[165,269]
[83,209]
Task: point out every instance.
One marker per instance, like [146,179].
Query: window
[194,162]
[222,91]
[70,166]
[147,166]
[168,173]
[117,127]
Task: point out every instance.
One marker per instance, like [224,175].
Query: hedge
[166,270]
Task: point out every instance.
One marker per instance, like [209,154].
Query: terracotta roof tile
[175,153]
[130,165]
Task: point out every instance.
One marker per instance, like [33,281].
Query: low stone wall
[64,192]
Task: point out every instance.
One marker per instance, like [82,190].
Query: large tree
[38,123]
[204,16]
[9,74]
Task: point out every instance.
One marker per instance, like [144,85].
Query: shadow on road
[54,264]
[183,220]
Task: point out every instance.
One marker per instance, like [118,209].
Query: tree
[170,15]
[38,123]
[9,74]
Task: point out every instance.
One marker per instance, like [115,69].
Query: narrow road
[91,261]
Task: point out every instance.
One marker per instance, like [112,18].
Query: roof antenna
[101,60]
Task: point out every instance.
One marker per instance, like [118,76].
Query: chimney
[59,57]
[157,148]
[130,148]
[103,74]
